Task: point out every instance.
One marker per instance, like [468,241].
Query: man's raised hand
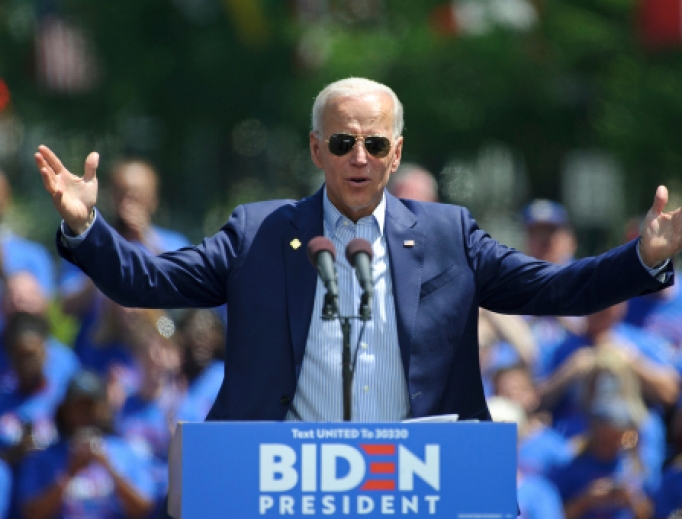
[74,197]
[661,233]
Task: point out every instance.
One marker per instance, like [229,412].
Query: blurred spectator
[541,448]
[201,334]
[23,293]
[5,489]
[414,182]
[89,472]
[537,497]
[19,254]
[504,340]
[148,417]
[645,354]
[134,194]
[668,499]
[605,480]
[549,237]
[27,410]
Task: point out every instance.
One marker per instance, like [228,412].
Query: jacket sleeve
[509,281]
[190,277]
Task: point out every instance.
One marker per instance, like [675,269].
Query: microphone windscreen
[357,245]
[317,245]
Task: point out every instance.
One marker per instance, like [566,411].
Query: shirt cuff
[70,240]
[657,272]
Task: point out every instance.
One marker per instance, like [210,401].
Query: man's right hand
[74,197]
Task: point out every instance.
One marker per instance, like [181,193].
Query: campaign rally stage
[286,469]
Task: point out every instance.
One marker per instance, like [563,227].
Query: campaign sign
[285,469]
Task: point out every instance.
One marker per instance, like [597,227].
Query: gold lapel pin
[295,243]
[408,243]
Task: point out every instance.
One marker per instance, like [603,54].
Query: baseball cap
[542,211]
[612,411]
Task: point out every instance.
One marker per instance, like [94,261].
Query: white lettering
[346,505]
[266,502]
[410,504]
[387,505]
[328,504]
[308,505]
[428,470]
[329,455]
[308,467]
[286,505]
[365,504]
[277,460]
[432,500]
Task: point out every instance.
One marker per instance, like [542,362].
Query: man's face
[134,184]
[550,242]
[356,181]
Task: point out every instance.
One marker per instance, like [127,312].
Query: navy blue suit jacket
[269,286]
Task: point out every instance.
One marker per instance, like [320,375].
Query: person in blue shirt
[19,254]
[27,411]
[200,333]
[605,480]
[148,417]
[541,449]
[90,472]
[537,497]
[23,294]
[668,499]
[647,355]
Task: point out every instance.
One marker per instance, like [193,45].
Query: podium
[292,469]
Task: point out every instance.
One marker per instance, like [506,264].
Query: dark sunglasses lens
[377,146]
[340,143]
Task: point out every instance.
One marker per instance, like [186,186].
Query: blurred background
[506,100]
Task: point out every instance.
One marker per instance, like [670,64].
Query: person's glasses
[376,145]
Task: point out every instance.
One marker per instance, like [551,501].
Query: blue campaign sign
[258,469]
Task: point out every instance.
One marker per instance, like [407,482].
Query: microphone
[322,253]
[359,255]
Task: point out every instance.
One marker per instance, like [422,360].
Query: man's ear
[398,154]
[315,149]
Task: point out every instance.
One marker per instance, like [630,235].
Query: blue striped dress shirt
[379,388]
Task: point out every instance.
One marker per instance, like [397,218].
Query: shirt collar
[332,216]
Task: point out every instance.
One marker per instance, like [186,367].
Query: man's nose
[359,153]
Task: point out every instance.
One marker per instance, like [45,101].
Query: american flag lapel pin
[408,244]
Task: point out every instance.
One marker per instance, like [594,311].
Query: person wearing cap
[549,235]
[89,472]
[605,479]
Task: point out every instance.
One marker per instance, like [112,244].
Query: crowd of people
[85,427]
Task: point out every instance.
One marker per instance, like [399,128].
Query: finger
[91,164]
[660,200]
[48,180]
[51,159]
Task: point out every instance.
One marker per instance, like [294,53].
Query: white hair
[355,86]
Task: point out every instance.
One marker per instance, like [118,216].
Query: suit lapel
[406,247]
[301,276]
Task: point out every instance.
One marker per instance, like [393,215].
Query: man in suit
[433,267]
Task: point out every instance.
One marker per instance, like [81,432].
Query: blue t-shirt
[543,450]
[573,479]
[91,493]
[21,255]
[669,497]
[567,413]
[538,499]
[202,393]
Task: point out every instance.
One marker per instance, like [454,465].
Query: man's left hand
[661,233]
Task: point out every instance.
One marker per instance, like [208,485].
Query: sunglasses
[376,145]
